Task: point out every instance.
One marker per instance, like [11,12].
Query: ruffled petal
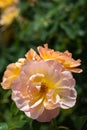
[35,112]
[68,97]
[65,58]
[52,101]
[32,55]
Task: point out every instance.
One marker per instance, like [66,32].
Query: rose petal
[35,112]
[52,102]
[68,97]
[32,55]
[48,115]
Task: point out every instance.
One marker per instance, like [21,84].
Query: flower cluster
[9,11]
[42,83]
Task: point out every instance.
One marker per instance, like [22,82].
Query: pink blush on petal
[35,112]
[48,115]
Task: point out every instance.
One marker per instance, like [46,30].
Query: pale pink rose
[42,88]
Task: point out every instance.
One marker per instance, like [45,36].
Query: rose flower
[64,58]
[8,15]
[42,83]
[42,88]
[6,3]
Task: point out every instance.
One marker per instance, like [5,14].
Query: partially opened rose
[42,88]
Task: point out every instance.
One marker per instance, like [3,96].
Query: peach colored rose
[12,72]
[64,58]
[42,88]
[5,3]
[8,15]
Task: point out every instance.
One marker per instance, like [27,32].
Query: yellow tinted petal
[32,55]
[12,72]
[5,3]
[9,15]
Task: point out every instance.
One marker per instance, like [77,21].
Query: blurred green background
[63,25]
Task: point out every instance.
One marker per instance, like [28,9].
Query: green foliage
[3,126]
[63,25]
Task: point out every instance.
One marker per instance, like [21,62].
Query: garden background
[63,25]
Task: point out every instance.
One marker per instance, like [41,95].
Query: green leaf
[80,122]
[16,124]
[44,127]
[3,126]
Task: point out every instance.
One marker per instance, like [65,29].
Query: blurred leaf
[80,122]
[43,127]
[3,126]
[16,124]
[70,29]
[2,63]
[14,109]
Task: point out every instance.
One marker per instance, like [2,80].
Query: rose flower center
[40,82]
[44,87]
